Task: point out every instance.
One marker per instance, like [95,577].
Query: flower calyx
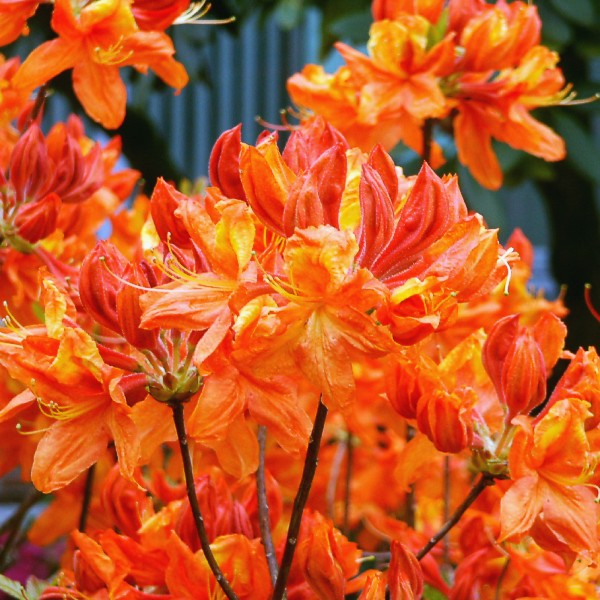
[175,388]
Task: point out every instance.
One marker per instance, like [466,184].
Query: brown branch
[178,418]
[484,481]
[87,497]
[308,473]
[264,522]
[14,522]
[349,464]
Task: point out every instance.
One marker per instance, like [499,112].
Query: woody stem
[427,140]
[38,104]
[308,473]
[87,497]
[178,419]
[264,521]
[13,524]
[484,481]
[347,491]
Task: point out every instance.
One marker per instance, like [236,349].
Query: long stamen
[113,55]
[19,428]
[195,12]
[12,323]
[55,411]
[288,290]
[503,260]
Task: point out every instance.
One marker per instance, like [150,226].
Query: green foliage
[31,591]
[430,593]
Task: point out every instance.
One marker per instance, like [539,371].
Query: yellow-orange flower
[96,39]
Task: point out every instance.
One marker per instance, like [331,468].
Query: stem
[87,497]
[349,464]
[427,140]
[264,522]
[38,105]
[409,501]
[308,473]
[446,507]
[14,522]
[485,480]
[178,419]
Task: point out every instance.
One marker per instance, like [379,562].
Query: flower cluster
[475,66]
[302,379]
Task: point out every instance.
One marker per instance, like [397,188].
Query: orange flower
[389,92]
[325,557]
[74,387]
[96,39]
[483,67]
[13,16]
[580,380]
[327,318]
[549,462]
[242,561]
[499,108]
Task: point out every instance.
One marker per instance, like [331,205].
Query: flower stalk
[264,522]
[179,421]
[308,473]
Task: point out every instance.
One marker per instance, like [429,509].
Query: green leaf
[437,32]
[430,593]
[13,588]
[35,587]
[578,11]
[582,151]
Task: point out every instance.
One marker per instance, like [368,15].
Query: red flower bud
[445,418]
[129,313]
[30,166]
[37,220]
[518,359]
[222,514]
[164,202]
[99,283]
[314,198]
[326,558]
[75,176]
[224,164]
[405,577]
[308,143]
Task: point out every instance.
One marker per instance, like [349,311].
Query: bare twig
[178,418]
[347,493]
[484,481]
[14,522]
[87,497]
[310,466]
[264,522]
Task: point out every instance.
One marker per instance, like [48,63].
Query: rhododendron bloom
[96,39]
[13,18]
[549,462]
[53,363]
[481,65]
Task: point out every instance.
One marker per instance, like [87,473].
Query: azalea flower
[549,463]
[96,39]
